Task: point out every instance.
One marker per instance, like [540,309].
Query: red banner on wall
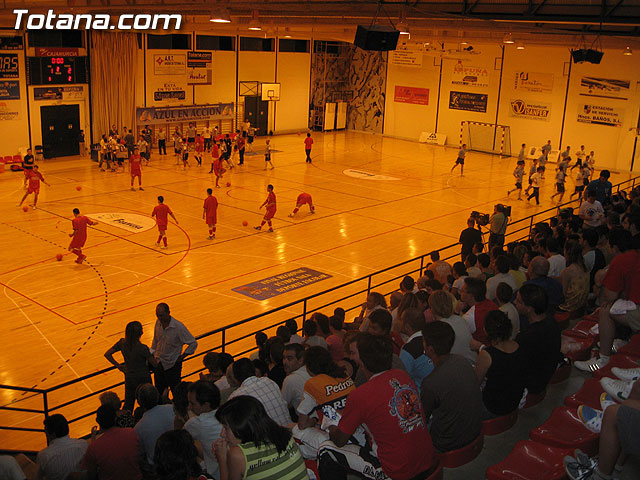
[56,52]
[415,95]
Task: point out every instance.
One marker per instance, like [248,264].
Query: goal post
[486,137]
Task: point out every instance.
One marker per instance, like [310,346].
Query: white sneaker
[617,344]
[628,374]
[618,389]
[591,365]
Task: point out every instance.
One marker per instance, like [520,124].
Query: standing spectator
[412,354]
[388,406]
[64,455]
[441,304]
[115,454]
[473,295]
[591,210]
[497,226]
[455,408]
[602,187]
[264,389]
[308,142]
[168,338]
[468,238]
[297,375]
[162,142]
[206,135]
[204,400]
[155,420]
[137,359]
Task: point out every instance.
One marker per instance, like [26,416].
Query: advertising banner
[415,95]
[7,113]
[283,283]
[534,82]
[199,59]
[58,93]
[56,52]
[433,138]
[169,64]
[472,102]
[11,43]
[604,88]
[469,76]
[157,115]
[530,110]
[600,115]
[199,76]
[10,90]
[406,58]
[9,65]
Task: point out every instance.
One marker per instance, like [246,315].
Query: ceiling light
[464,42]
[508,38]
[220,15]
[627,51]
[254,23]
[519,46]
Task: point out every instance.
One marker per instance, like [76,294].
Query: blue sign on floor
[282,283]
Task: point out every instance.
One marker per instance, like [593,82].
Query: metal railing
[342,295]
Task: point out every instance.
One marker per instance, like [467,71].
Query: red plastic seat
[17,159]
[8,159]
[438,472]
[582,347]
[562,318]
[461,456]
[589,394]
[530,460]
[618,360]
[561,374]
[632,348]
[593,317]
[534,398]
[498,425]
[313,466]
[581,329]
[563,429]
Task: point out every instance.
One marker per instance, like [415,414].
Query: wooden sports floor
[59,317]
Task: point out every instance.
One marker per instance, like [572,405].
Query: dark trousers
[241,154]
[535,194]
[169,378]
[495,240]
[308,152]
[131,383]
[207,143]
[162,147]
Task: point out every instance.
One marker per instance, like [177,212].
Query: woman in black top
[137,358]
[501,366]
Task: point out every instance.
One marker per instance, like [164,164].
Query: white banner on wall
[469,75]
[600,115]
[8,113]
[169,64]
[406,58]
[534,82]
[530,110]
[433,138]
[199,76]
[604,88]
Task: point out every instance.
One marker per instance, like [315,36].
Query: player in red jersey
[34,177]
[218,169]
[199,149]
[215,153]
[302,199]
[210,213]
[135,162]
[79,235]
[270,203]
[161,213]
[307,146]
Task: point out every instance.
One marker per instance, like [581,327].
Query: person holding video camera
[498,225]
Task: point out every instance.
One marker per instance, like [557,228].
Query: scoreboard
[57,70]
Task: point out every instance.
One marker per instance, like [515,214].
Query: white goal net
[486,137]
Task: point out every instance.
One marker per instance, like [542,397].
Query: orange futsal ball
[228,184]
[25,208]
[59,257]
[78,188]
[245,223]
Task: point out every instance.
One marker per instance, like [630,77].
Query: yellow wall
[15,133]
[292,111]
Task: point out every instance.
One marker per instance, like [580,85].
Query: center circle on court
[350,172]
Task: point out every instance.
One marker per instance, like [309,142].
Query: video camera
[506,209]
[481,219]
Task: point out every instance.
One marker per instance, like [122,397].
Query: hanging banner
[604,88]
[9,65]
[415,95]
[10,43]
[199,76]
[469,76]
[472,102]
[169,64]
[58,93]
[406,58]
[10,90]
[169,92]
[56,52]
[599,115]
[534,82]
[157,115]
[530,110]
[199,59]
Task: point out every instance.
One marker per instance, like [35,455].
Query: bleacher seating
[589,394]
[499,425]
[457,458]
[563,429]
[530,460]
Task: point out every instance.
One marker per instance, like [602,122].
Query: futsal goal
[486,137]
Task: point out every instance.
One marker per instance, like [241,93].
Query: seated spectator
[404,448]
[297,375]
[412,354]
[156,419]
[283,333]
[233,385]
[275,352]
[63,455]
[407,284]
[441,304]
[116,453]
[500,366]
[593,257]
[252,442]
[440,268]
[455,408]
[537,274]
[262,368]
[380,324]
[515,264]
[484,262]
[311,339]
[181,405]
[471,264]
[334,341]
[10,468]
[459,273]
[204,400]
[261,339]
[375,301]
[216,364]
[325,394]
[358,375]
[473,295]
[323,324]
[264,389]
[574,279]
[539,341]
[422,297]
[124,417]
[504,294]
[394,302]
[502,266]
[557,262]
[421,284]
[292,325]
[176,458]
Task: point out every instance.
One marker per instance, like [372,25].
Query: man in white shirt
[591,210]
[63,455]
[204,400]
[297,375]
[502,266]
[207,138]
[263,389]
[155,420]
[292,325]
[557,262]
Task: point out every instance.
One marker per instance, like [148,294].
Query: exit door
[256,111]
[60,130]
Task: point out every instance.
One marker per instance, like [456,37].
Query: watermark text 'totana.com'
[98,21]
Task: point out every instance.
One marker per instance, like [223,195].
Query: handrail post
[45,404]
[369,286]
[304,310]
[224,340]
[421,264]
[530,226]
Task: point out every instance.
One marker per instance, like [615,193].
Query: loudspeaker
[586,55]
[377,37]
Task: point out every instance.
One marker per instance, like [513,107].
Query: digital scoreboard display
[57,70]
